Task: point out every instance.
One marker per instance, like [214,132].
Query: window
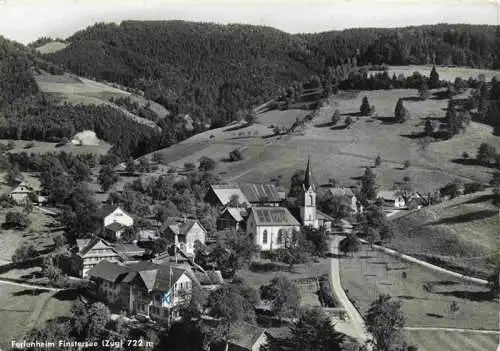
[264,237]
[280,236]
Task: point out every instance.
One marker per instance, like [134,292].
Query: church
[273,227]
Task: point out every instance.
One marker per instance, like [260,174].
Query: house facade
[93,251]
[21,192]
[391,198]
[116,223]
[271,227]
[147,289]
[185,233]
[232,218]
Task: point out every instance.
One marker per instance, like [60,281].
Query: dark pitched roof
[273,216]
[115,227]
[308,180]
[108,271]
[129,249]
[323,216]
[244,335]
[209,277]
[154,276]
[255,192]
[182,227]
[164,280]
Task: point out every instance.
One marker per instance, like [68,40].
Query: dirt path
[478,331]
[25,285]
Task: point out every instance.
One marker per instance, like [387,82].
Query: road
[26,285]
[356,326]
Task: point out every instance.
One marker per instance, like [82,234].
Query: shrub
[406,164]
[10,145]
[235,155]
[16,220]
[465,155]
[6,201]
[207,164]
[189,166]
[24,253]
[325,292]
[29,145]
[378,161]
[470,188]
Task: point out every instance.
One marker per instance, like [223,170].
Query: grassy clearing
[51,47]
[40,233]
[462,232]
[371,273]
[445,73]
[452,341]
[331,149]
[309,297]
[25,308]
[281,118]
[41,147]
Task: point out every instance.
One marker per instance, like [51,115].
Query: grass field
[342,153]
[51,47]
[309,297]
[371,273]
[445,73]
[25,308]
[40,233]
[41,147]
[462,232]
[281,118]
[452,341]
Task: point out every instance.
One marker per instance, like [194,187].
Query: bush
[10,145]
[189,166]
[207,164]
[325,292]
[235,155]
[16,220]
[406,164]
[6,201]
[24,253]
[470,188]
[29,145]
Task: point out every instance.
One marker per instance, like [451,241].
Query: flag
[166,298]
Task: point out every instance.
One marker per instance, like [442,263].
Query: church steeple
[308,182]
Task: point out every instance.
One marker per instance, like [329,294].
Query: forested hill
[208,70]
[211,71]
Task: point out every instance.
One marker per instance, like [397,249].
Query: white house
[116,222]
[391,198]
[21,192]
[270,227]
[93,251]
[185,233]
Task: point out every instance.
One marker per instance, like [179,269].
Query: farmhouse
[144,288]
[250,194]
[342,194]
[391,198]
[232,218]
[271,227]
[92,251]
[185,233]
[21,192]
[116,223]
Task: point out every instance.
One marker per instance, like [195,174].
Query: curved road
[357,324]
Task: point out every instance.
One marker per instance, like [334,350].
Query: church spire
[308,176]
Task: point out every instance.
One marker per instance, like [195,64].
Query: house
[222,195]
[130,251]
[391,198]
[91,252]
[251,194]
[185,233]
[116,223]
[144,288]
[246,337]
[270,227]
[343,194]
[21,192]
[232,218]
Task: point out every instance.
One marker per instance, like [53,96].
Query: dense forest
[212,71]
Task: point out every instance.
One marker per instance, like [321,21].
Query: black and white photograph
[181,175]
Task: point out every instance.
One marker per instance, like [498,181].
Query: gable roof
[323,216]
[108,271]
[225,192]
[236,213]
[244,335]
[23,188]
[93,242]
[388,195]
[164,280]
[115,227]
[338,192]
[154,276]
[129,249]
[255,192]
[184,227]
[118,209]
[278,216]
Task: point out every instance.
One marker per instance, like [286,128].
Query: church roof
[273,216]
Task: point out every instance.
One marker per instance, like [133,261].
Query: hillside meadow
[445,73]
[342,153]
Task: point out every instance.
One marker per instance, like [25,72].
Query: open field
[309,297]
[281,118]
[78,90]
[40,233]
[41,147]
[25,308]
[371,273]
[342,153]
[445,73]
[462,232]
[51,47]
[452,341]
